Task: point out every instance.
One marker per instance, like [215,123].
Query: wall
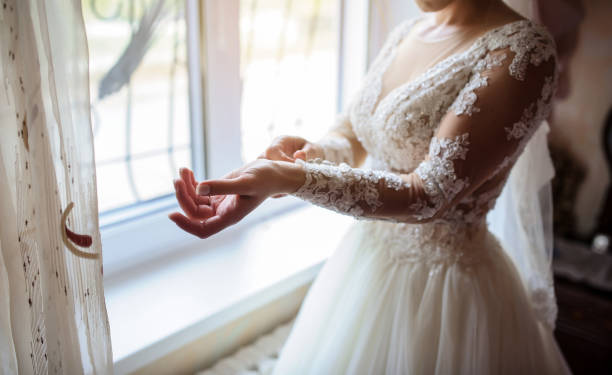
[578,119]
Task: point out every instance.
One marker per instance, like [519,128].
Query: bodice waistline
[434,243]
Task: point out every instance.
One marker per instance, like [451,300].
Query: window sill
[135,238]
[175,300]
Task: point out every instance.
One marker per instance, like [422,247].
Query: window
[139,81]
[210,86]
[289,69]
[139,99]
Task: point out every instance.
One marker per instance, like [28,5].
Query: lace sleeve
[340,143]
[478,139]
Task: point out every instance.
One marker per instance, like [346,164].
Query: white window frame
[215,89]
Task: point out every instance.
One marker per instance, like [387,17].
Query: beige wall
[578,119]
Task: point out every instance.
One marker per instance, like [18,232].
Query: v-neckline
[419,77]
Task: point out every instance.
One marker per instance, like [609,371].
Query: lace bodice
[440,146]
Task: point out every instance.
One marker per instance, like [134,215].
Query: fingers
[188,204]
[238,185]
[283,148]
[201,229]
[191,226]
[306,153]
[276,153]
[230,210]
[299,155]
[191,184]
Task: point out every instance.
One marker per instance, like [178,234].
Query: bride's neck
[464,12]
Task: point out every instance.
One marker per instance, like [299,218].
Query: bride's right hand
[288,148]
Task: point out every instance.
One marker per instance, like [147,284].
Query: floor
[584,327]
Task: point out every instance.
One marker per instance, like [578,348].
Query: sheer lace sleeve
[506,98]
[340,145]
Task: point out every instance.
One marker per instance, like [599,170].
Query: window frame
[135,236]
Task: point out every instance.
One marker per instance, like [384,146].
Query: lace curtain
[52,312]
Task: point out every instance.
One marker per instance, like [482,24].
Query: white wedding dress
[420,285]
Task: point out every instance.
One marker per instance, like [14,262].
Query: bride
[420,285]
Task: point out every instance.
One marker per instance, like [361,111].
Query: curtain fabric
[52,311]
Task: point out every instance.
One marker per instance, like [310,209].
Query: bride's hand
[288,148]
[212,205]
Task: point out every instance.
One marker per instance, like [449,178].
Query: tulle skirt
[414,299]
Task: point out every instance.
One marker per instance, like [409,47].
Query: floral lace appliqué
[465,102]
[346,190]
[438,172]
[533,114]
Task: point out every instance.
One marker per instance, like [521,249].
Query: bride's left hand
[213,205]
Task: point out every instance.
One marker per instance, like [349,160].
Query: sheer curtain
[52,312]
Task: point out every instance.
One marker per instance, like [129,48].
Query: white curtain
[52,312]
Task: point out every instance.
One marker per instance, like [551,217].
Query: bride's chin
[432,5]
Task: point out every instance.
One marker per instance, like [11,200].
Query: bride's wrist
[292,176]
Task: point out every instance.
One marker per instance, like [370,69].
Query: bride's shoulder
[527,42]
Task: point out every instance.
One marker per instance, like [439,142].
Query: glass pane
[289,63]
[139,94]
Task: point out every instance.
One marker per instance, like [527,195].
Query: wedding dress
[419,284]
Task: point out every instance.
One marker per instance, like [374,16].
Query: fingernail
[203,189]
